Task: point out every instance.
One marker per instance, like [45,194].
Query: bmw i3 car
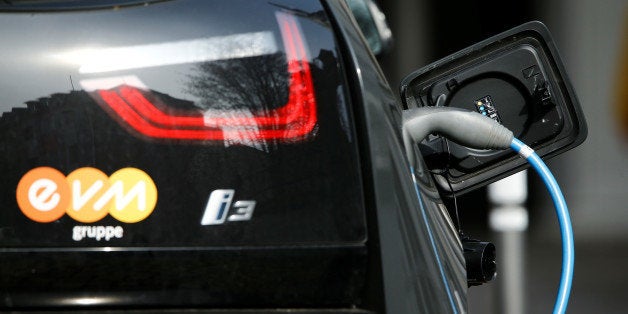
[219,156]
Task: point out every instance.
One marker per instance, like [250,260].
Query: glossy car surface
[271,138]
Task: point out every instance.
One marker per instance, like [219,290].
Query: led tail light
[293,121]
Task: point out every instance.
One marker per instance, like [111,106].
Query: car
[230,156]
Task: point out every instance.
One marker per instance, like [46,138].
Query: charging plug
[464,127]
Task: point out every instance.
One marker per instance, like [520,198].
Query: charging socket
[515,78]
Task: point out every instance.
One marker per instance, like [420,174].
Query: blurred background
[592,37]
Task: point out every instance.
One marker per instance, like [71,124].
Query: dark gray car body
[409,259]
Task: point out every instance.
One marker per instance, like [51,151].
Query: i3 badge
[219,205]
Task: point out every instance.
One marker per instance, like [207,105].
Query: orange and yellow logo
[87,195]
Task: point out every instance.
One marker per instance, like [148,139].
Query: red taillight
[293,121]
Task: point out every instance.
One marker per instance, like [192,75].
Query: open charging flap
[515,78]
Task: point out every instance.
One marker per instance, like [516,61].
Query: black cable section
[453,193]
[446,174]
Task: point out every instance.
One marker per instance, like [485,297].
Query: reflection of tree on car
[254,83]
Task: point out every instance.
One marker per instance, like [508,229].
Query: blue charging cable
[562,212]
[474,130]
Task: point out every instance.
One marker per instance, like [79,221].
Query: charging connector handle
[464,127]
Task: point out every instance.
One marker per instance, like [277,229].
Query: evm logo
[87,195]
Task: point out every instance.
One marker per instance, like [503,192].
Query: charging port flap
[515,78]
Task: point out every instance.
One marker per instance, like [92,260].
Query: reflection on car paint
[100,60]
[295,121]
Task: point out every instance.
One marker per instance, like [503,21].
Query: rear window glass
[177,123]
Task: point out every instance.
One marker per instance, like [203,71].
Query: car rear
[177,154]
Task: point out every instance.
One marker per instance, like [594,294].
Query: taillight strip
[296,119]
